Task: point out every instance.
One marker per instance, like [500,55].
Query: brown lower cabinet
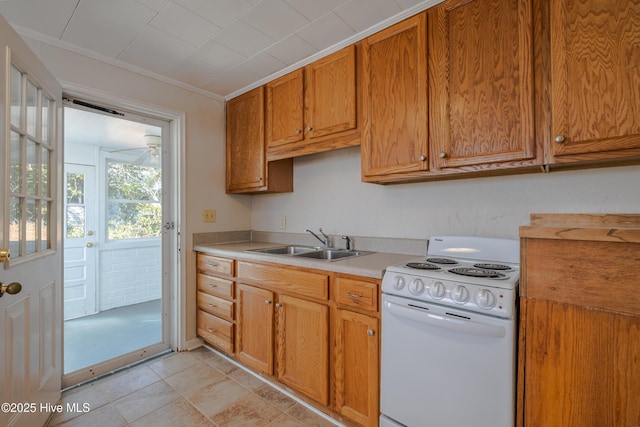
[579,349]
[314,331]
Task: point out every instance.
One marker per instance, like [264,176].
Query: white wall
[328,193]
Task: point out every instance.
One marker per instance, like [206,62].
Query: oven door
[445,367]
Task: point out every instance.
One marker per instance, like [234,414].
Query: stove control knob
[460,294]
[416,287]
[485,299]
[398,283]
[437,291]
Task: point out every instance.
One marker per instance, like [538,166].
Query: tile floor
[188,389]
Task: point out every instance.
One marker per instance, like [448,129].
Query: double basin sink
[312,252]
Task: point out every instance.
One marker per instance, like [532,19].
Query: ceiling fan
[151,152]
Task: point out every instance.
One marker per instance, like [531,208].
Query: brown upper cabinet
[247,168]
[394,101]
[595,80]
[313,109]
[481,85]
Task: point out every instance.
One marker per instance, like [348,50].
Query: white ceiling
[219,47]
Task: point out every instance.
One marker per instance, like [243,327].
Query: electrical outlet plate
[209,215]
[283,222]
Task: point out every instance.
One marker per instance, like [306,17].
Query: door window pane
[32,108]
[15,227]
[31,224]
[28,162]
[75,206]
[133,201]
[32,169]
[16,96]
[15,164]
[45,241]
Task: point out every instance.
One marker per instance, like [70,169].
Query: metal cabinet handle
[423,158]
[309,128]
[352,295]
[267,302]
[213,264]
[442,155]
[560,139]
[371,332]
[211,285]
[278,305]
[298,131]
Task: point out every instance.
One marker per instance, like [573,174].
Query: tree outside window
[133,201]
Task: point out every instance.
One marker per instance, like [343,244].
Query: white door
[30,225]
[79,241]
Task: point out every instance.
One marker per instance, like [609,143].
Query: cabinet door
[255,328]
[581,366]
[395,100]
[357,367]
[246,164]
[303,347]
[595,81]
[284,109]
[330,94]
[480,80]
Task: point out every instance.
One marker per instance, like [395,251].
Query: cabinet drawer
[215,265]
[215,286]
[356,293]
[215,305]
[215,331]
[314,285]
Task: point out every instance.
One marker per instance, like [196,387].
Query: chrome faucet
[324,239]
[347,244]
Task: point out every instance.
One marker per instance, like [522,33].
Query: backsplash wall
[328,193]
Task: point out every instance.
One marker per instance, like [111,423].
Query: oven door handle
[449,322]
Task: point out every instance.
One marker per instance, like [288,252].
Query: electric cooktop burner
[446,261]
[492,266]
[423,266]
[477,272]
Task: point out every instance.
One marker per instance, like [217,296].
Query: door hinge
[170,225]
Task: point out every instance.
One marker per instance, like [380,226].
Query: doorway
[117,238]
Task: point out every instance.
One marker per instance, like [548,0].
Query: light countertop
[371,265]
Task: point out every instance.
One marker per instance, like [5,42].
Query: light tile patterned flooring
[189,389]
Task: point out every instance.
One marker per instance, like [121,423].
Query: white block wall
[129,276]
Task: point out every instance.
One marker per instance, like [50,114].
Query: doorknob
[90,244]
[11,288]
[5,254]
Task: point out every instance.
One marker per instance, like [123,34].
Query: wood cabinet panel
[214,305]
[289,280]
[210,264]
[565,271]
[215,330]
[255,328]
[357,367]
[481,84]
[215,286]
[581,366]
[595,83]
[247,169]
[303,346]
[356,293]
[246,158]
[285,100]
[314,109]
[330,94]
[394,102]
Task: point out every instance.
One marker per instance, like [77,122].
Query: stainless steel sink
[286,250]
[333,254]
[311,252]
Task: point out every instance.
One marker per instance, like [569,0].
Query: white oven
[448,339]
